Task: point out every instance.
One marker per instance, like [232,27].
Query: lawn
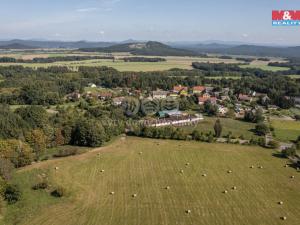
[286,130]
[126,172]
[237,127]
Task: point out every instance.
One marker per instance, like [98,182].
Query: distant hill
[251,50]
[150,48]
[57,44]
[17,46]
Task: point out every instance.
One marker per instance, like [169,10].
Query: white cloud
[245,35]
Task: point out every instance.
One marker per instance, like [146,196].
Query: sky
[160,20]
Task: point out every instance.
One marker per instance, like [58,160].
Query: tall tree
[218,128]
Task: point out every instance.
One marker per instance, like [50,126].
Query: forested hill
[252,50]
[150,48]
[17,46]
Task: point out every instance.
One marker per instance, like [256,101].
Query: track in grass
[147,174]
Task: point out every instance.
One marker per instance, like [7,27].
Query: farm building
[181,120]
[168,113]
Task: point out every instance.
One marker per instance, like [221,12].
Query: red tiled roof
[179,88]
[244,97]
[199,88]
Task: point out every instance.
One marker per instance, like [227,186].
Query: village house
[265,100]
[159,94]
[222,110]
[224,97]
[198,89]
[244,98]
[177,89]
[209,89]
[92,85]
[225,91]
[206,97]
[118,101]
[74,96]
[105,95]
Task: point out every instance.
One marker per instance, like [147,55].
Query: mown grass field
[286,130]
[255,201]
[236,127]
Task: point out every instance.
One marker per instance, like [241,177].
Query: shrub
[289,152]
[41,185]
[12,193]
[261,129]
[273,144]
[58,192]
[66,152]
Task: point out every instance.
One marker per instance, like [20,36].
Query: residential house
[225,91]
[198,89]
[209,89]
[74,96]
[245,98]
[265,100]
[222,110]
[92,85]
[206,97]
[159,94]
[105,95]
[225,97]
[118,101]
[177,89]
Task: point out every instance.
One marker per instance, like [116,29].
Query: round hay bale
[280,203]
[225,192]
[229,171]
[234,188]
[168,188]
[134,195]
[101,171]
[187,164]
[188,211]
[204,175]
[112,193]
[298,169]
[56,168]
[251,167]
[140,153]
[260,167]
[283,218]
[292,177]
[286,165]
[181,171]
